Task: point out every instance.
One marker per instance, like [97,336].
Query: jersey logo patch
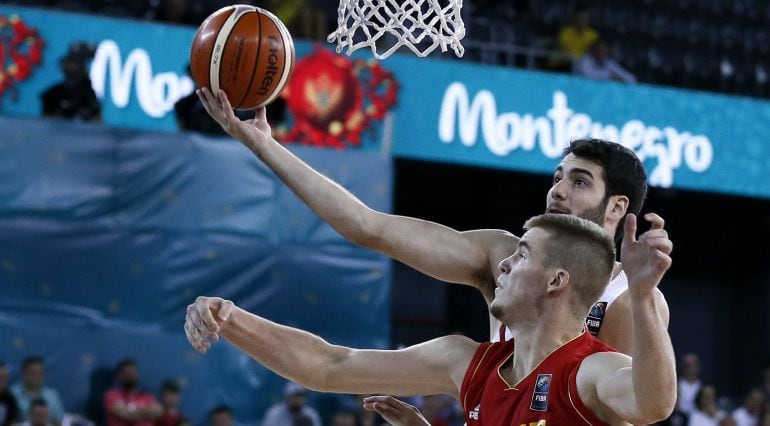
[474,415]
[595,317]
[540,395]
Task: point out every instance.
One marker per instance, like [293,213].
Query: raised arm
[641,389]
[439,251]
[433,367]
[617,328]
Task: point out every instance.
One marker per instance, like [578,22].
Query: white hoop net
[420,25]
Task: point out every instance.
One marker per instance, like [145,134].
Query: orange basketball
[245,51]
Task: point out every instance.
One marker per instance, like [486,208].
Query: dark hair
[127,362]
[169,386]
[622,171]
[30,360]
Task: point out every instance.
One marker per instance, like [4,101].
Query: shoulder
[147,397]
[311,412]
[112,396]
[49,392]
[16,387]
[275,409]
[603,362]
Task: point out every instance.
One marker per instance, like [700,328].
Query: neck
[535,343]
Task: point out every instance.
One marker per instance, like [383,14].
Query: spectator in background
[222,416]
[170,397]
[765,419]
[73,97]
[344,417]
[32,387]
[706,412]
[599,64]
[292,409]
[765,385]
[303,18]
[689,382]
[39,414]
[574,39]
[9,410]
[186,12]
[748,413]
[127,405]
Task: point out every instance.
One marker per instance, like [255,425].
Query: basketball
[245,51]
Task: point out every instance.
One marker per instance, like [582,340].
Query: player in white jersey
[597,180]
[595,318]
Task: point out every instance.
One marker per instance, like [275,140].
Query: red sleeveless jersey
[547,396]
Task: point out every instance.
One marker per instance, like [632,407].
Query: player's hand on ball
[250,132]
[395,412]
[204,320]
[645,260]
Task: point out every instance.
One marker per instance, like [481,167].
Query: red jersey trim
[467,377]
[500,375]
[586,414]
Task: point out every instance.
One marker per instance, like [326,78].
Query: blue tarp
[106,236]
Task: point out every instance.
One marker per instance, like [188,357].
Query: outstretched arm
[434,249]
[433,367]
[641,389]
[617,329]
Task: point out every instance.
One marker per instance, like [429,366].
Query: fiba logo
[540,394]
[156,93]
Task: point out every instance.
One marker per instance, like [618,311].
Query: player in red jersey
[553,371]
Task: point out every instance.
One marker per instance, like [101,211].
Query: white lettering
[506,132]
[156,94]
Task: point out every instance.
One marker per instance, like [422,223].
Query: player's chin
[495,309]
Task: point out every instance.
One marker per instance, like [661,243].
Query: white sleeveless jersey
[618,285]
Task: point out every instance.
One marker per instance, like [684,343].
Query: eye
[556,179]
[580,182]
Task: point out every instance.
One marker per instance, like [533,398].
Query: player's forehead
[533,239]
[571,163]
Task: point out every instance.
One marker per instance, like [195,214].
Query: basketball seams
[227,63]
[222,38]
[288,48]
[256,61]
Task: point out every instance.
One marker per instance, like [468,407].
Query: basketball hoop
[420,25]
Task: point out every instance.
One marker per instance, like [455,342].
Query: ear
[559,281]
[617,206]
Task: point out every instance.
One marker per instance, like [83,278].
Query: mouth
[557,210]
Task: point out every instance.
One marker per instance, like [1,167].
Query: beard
[596,214]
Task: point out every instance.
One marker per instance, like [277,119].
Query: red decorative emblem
[20,52]
[334,99]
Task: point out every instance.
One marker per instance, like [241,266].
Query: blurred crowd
[714,45]
[701,403]
[30,401]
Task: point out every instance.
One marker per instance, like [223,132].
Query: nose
[557,191]
[505,265]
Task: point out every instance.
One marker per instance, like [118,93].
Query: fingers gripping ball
[245,51]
